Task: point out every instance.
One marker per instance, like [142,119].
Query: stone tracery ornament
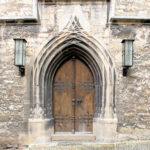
[75,25]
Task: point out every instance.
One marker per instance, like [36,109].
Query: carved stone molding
[37,112]
[75,25]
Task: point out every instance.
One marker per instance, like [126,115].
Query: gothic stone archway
[75,41]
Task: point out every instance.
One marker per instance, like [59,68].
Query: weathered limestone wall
[16,8]
[132,8]
[12,91]
[132,92]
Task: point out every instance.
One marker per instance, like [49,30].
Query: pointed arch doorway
[73,41]
[73,97]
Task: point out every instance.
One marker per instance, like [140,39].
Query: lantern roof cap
[20,39]
[126,40]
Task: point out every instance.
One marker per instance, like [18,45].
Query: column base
[40,130]
[105,130]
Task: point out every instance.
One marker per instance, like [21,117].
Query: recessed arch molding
[73,42]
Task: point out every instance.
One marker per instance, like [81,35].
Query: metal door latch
[79,101]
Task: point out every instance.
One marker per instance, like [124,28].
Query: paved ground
[140,145]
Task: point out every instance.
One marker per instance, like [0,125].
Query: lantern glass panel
[24,52]
[20,46]
[128,53]
[127,58]
[123,54]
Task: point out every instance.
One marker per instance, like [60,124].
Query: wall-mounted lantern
[20,54]
[127,54]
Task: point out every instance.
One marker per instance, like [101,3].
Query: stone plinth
[105,130]
[40,130]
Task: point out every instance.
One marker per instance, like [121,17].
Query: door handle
[73,100]
[79,101]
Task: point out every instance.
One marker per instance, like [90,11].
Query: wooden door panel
[73,95]
[84,98]
[62,95]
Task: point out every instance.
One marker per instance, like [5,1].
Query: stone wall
[132,92]
[132,8]
[12,93]
[16,8]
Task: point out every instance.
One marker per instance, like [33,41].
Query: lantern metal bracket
[22,70]
[125,71]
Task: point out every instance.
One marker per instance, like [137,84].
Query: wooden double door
[73,98]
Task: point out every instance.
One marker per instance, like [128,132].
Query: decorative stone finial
[75,25]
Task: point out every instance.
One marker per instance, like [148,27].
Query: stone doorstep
[73,137]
